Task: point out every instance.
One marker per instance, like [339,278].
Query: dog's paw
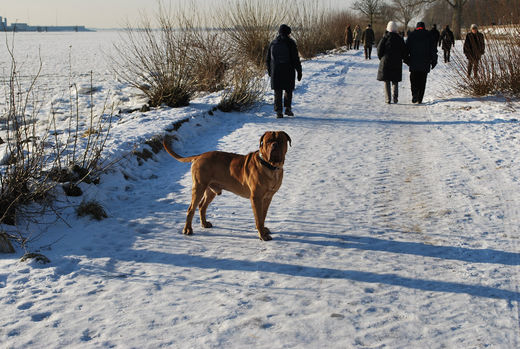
[187,231]
[265,234]
[266,237]
[206,225]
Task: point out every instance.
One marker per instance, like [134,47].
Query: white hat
[391,27]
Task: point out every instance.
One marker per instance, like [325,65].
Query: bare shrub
[78,157]
[92,209]
[318,29]
[210,57]
[157,62]
[251,25]
[245,88]
[36,257]
[36,155]
[499,67]
[22,178]
[5,244]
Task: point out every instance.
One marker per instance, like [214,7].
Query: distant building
[3,23]
[24,27]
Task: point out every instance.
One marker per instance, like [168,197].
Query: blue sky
[93,13]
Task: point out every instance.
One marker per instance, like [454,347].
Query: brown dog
[257,176]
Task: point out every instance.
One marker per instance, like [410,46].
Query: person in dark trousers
[357,37]
[349,39]
[283,64]
[368,39]
[446,41]
[421,57]
[391,51]
[434,32]
[474,48]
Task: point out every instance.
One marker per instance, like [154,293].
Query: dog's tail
[166,145]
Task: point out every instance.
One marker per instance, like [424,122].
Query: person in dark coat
[391,52]
[434,32]
[283,63]
[474,48]
[349,39]
[421,57]
[446,41]
[368,39]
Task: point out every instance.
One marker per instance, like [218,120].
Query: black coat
[368,37]
[422,51]
[447,39]
[435,35]
[349,39]
[474,45]
[391,52]
[283,62]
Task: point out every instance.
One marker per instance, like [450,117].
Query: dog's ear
[288,138]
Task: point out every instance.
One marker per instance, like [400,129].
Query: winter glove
[269,72]
[299,76]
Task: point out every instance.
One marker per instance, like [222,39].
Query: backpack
[280,52]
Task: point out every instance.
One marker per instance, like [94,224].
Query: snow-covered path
[396,226]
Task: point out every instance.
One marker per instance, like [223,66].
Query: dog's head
[273,146]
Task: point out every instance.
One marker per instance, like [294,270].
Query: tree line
[456,13]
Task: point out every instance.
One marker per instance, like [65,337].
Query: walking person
[474,48]
[349,39]
[368,39]
[434,32]
[283,64]
[357,37]
[446,41]
[391,51]
[421,57]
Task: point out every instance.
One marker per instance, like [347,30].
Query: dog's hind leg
[197,193]
[209,195]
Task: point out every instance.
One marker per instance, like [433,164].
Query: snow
[396,226]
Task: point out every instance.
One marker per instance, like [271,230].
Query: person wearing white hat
[391,51]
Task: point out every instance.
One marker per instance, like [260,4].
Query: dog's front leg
[257,203]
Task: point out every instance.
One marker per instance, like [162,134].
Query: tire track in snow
[369,226]
[425,182]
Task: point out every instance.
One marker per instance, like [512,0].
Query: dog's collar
[266,164]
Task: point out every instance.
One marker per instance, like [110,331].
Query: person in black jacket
[283,62]
[421,56]
[474,48]
[434,32]
[349,39]
[368,39]
[391,52]
[446,41]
